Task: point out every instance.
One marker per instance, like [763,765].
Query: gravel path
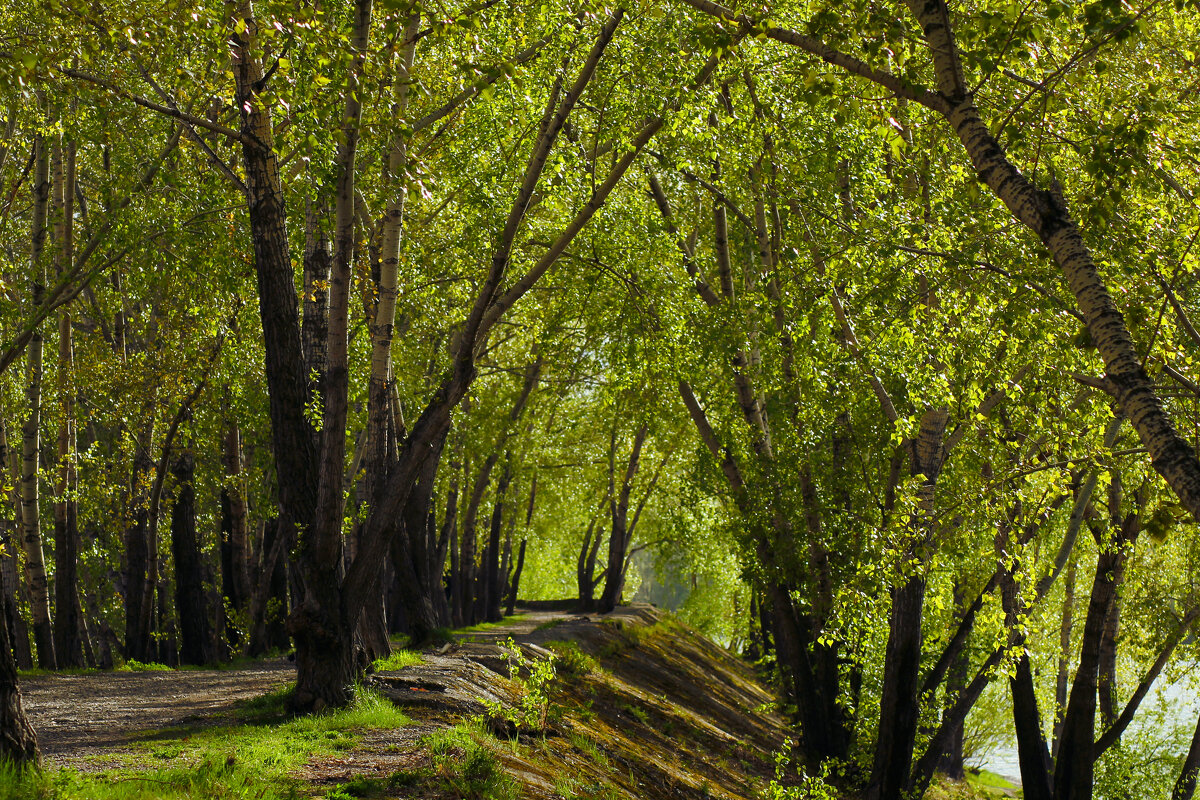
[80,716]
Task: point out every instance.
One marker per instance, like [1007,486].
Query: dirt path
[78,717]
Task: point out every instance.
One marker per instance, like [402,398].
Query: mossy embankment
[638,706]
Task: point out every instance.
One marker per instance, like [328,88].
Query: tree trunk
[1073,774]
[951,762]
[490,594]
[467,571]
[35,565]
[10,581]
[137,556]
[190,604]
[18,743]
[1107,675]
[585,567]
[618,539]
[515,586]
[67,643]
[900,701]
[1185,787]
[1062,677]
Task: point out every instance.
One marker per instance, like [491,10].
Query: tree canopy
[862,334]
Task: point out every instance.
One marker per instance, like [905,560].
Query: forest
[863,335]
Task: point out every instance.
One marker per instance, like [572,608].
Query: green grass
[39,672]
[465,761]
[491,626]
[989,783]
[239,762]
[399,659]
[571,661]
[133,665]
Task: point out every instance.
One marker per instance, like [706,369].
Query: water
[1178,701]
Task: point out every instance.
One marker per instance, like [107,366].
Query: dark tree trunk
[1075,764]
[1064,654]
[18,744]
[137,557]
[900,701]
[618,538]
[950,763]
[467,572]
[324,663]
[585,568]
[10,583]
[1032,753]
[515,587]
[411,546]
[492,588]
[1107,676]
[1073,773]
[235,538]
[68,646]
[1185,787]
[190,605]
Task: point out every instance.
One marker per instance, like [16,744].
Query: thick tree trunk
[190,605]
[18,744]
